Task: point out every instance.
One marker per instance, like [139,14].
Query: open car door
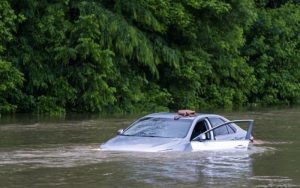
[201,142]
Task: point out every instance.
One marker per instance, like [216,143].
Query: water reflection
[174,169]
[177,169]
[206,169]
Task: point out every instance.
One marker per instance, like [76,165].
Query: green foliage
[7,24]
[10,79]
[147,55]
[273,49]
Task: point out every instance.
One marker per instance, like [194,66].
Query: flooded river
[39,152]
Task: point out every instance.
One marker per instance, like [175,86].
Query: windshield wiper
[126,134]
[145,135]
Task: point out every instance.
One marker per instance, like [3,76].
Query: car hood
[144,144]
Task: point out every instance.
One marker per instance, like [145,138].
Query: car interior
[199,128]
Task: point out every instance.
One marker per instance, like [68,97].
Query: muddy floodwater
[45,152]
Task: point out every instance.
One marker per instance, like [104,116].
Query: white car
[182,131]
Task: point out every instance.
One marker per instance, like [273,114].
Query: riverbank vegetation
[136,56]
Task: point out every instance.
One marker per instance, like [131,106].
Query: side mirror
[200,138]
[120,131]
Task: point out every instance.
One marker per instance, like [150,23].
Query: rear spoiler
[249,129]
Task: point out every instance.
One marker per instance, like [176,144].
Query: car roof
[173,115]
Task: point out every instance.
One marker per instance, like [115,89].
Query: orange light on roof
[186,112]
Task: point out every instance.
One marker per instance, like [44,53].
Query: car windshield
[159,127]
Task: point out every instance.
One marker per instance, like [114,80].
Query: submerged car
[182,131]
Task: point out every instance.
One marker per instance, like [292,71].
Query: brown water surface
[39,152]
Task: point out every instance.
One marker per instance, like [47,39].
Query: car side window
[199,128]
[231,129]
[221,130]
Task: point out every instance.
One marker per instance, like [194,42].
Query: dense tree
[197,43]
[273,49]
[147,55]
[10,76]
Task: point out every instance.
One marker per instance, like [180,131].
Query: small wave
[273,181]
[63,156]
[261,142]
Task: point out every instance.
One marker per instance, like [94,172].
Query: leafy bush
[139,56]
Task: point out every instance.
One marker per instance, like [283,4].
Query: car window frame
[208,126]
[212,126]
[231,127]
